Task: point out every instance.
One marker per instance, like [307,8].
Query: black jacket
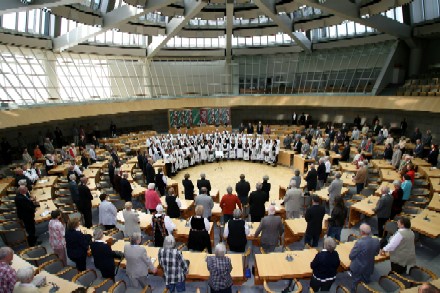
[103,257]
[126,189]
[242,188]
[25,208]
[150,173]
[321,172]
[257,199]
[312,179]
[76,244]
[314,216]
[204,183]
[189,189]
[345,154]
[85,197]
[266,187]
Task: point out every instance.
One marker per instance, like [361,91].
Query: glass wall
[424,10]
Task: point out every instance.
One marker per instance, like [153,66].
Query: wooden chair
[56,267]
[342,289]
[406,282]
[118,287]
[86,278]
[37,255]
[364,288]
[104,286]
[390,284]
[420,274]
[295,286]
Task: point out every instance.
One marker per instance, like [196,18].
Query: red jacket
[151,199]
[228,203]
[411,173]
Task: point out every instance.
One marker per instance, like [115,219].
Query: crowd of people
[180,151]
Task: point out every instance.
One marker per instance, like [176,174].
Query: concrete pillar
[415,59]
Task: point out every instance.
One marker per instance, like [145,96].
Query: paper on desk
[43,181]
[45,213]
[153,259]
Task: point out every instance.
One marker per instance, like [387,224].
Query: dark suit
[73,187]
[314,216]
[23,177]
[362,259]
[85,202]
[271,228]
[103,257]
[260,129]
[242,188]
[76,245]
[115,158]
[126,189]
[26,213]
[150,173]
[383,211]
[266,187]
[257,199]
[311,179]
[297,146]
[345,154]
[204,183]
[141,162]
[189,189]
[250,129]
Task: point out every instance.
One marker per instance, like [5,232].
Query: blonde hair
[199,210]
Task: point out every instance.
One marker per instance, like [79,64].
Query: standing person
[360,178]
[337,219]
[162,226]
[74,193]
[198,238]
[265,186]
[401,247]
[312,178]
[77,244]
[150,173]
[220,268]
[334,190]
[103,255]
[111,172]
[188,187]
[8,276]
[314,216]
[321,173]
[257,200]
[406,187]
[397,156]
[138,262]
[107,212]
[242,188]
[161,182]
[203,182]
[362,256]
[205,201]
[173,204]
[85,202]
[296,179]
[126,189]
[56,236]
[228,203]
[131,220]
[152,199]
[293,201]
[433,155]
[383,209]
[397,199]
[25,205]
[174,265]
[325,266]
[403,126]
[235,233]
[271,229]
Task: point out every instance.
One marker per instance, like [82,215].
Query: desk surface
[382,164]
[366,205]
[427,223]
[389,175]
[298,226]
[42,194]
[347,167]
[47,181]
[323,193]
[42,213]
[431,172]
[434,204]
[274,266]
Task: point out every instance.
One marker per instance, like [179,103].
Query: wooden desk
[364,207]
[137,190]
[160,164]
[434,204]
[429,171]
[420,162]
[275,267]
[429,226]
[59,170]
[415,289]
[47,181]
[99,165]
[300,162]
[96,201]
[42,213]
[5,183]
[344,249]
[92,174]
[64,285]
[285,157]
[347,179]
[389,175]
[42,194]
[388,184]
[294,229]
[435,184]
[144,218]
[347,167]
[182,231]
[382,164]
[323,193]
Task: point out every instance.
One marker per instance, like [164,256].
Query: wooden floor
[228,173]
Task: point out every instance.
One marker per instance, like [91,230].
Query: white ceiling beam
[351,11]
[284,23]
[9,6]
[175,25]
[229,27]
[111,20]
